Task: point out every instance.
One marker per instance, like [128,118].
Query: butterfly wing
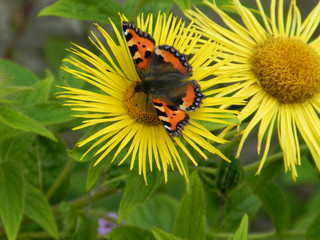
[161,70]
[170,95]
[141,46]
[187,96]
[173,119]
[169,68]
[167,59]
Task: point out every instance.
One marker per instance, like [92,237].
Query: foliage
[43,184]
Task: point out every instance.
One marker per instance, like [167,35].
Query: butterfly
[162,70]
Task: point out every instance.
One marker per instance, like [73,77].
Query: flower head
[131,125]
[277,66]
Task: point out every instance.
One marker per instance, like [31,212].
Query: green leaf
[49,113]
[7,89]
[15,148]
[183,4]
[239,202]
[313,231]
[11,198]
[39,92]
[87,229]
[242,232]
[269,174]
[190,222]
[310,214]
[132,233]
[162,235]
[7,133]
[52,157]
[276,205]
[43,163]
[155,6]
[159,211]
[93,174]
[70,221]
[19,75]
[37,208]
[137,192]
[15,119]
[94,10]
[55,50]
[132,8]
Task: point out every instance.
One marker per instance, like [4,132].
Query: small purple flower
[106,226]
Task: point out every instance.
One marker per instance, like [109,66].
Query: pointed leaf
[48,113]
[242,232]
[55,50]
[11,198]
[70,220]
[137,192]
[18,74]
[132,233]
[190,222]
[88,228]
[93,174]
[39,92]
[276,205]
[162,235]
[94,10]
[159,211]
[155,6]
[313,231]
[239,202]
[270,172]
[183,4]
[15,119]
[38,209]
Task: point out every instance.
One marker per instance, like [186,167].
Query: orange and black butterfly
[162,70]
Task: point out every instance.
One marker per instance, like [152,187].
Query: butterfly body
[163,71]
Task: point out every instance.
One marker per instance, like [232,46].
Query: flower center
[287,69]
[139,107]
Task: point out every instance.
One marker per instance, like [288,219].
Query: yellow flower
[277,66]
[132,128]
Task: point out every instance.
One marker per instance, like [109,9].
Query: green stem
[204,169]
[65,172]
[34,235]
[99,215]
[116,179]
[83,201]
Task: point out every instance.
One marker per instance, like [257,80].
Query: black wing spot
[147,54]
[128,36]
[138,60]
[160,113]
[172,108]
[158,104]
[133,49]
